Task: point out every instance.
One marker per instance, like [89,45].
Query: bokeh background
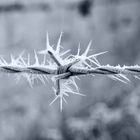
[111,109]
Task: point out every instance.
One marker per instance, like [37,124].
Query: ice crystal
[63,68]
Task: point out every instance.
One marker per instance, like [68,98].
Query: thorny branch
[63,68]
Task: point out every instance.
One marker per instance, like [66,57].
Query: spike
[97,54]
[78,52]
[36,58]
[58,44]
[87,50]
[61,102]
[64,53]
[54,100]
[48,47]
[65,100]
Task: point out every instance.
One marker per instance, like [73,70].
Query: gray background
[110,111]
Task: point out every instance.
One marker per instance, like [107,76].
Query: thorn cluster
[63,69]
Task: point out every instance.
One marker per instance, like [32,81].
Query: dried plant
[63,68]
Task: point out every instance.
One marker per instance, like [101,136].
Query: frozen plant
[63,68]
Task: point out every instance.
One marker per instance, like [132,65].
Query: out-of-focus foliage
[110,111]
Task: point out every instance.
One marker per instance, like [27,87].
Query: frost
[64,68]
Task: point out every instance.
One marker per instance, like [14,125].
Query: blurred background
[111,109]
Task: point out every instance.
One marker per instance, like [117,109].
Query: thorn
[47,41]
[123,76]
[77,93]
[64,53]
[65,100]
[3,60]
[28,60]
[48,47]
[95,61]
[79,49]
[114,77]
[87,50]
[46,78]
[74,83]
[97,54]
[61,103]
[44,60]
[36,58]
[54,100]
[20,56]
[137,77]
[41,78]
[12,60]
[58,44]
[87,64]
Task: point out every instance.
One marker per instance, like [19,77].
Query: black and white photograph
[69,70]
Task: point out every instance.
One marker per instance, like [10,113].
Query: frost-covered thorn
[36,59]
[87,50]
[58,47]
[48,47]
